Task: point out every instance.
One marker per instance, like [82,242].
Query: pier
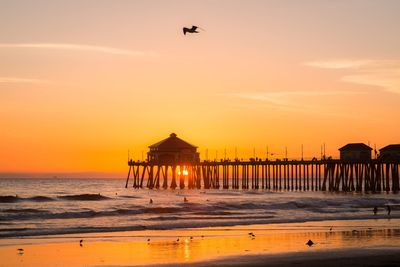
[175,163]
[280,175]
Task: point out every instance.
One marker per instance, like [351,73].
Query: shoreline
[184,227]
[211,246]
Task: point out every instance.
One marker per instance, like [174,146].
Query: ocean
[32,207]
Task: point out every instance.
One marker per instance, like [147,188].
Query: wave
[40,199]
[23,210]
[9,199]
[167,225]
[81,197]
[84,197]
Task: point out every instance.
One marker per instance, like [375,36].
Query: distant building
[357,152]
[390,152]
[173,150]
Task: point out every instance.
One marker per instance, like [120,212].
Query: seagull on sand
[191,30]
[20,251]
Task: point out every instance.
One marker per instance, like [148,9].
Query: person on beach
[389,209]
[375,210]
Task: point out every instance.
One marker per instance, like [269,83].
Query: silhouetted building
[357,152]
[390,152]
[173,150]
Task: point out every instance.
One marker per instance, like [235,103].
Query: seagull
[20,251]
[309,243]
[191,30]
[80,242]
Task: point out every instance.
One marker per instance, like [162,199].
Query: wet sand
[355,242]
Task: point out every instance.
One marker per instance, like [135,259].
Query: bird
[148,240]
[331,229]
[151,201]
[191,237]
[80,242]
[310,243]
[185,199]
[251,233]
[20,251]
[177,240]
[191,30]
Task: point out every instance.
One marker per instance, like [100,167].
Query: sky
[82,82]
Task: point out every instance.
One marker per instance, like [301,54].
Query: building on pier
[355,152]
[390,152]
[173,150]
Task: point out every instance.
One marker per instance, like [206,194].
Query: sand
[351,242]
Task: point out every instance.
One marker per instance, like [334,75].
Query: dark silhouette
[375,210]
[310,243]
[151,201]
[185,199]
[80,242]
[389,209]
[20,251]
[191,30]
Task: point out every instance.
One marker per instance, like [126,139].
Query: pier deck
[289,175]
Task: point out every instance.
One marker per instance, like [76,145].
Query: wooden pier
[287,175]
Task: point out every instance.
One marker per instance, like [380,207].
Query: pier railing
[306,175]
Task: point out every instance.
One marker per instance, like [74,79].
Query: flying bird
[191,30]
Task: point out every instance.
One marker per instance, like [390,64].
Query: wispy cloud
[337,64]
[289,100]
[78,47]
[20,80]
[380,73]
[282,97]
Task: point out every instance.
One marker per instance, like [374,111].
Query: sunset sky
[83,82]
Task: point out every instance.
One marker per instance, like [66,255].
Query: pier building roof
[172,143]
[355,147]
[392,147]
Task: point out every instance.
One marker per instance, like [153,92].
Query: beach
[355,242]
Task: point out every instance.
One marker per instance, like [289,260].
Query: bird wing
[194,28]
[185,30]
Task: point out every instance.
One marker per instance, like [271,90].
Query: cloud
[78,47]
[338,64]
[20,80]
[288,100]
[379,73]
[282,96]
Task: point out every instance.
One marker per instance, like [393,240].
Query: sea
[33,207]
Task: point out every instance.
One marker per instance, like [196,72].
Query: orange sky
[81,82]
